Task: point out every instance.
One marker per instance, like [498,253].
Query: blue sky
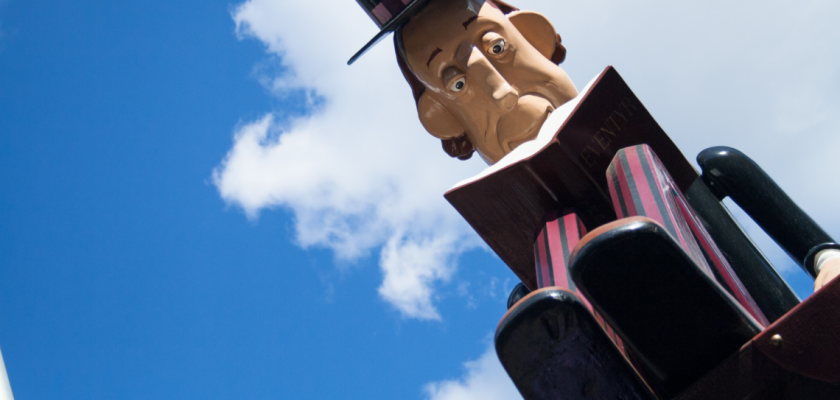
[200,200]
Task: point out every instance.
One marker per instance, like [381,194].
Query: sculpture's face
[486,74]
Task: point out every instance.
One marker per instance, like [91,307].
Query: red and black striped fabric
[641,186]
[552,252]
[553,247]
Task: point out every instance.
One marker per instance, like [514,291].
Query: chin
[513,145]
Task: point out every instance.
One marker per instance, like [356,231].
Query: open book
[564,167]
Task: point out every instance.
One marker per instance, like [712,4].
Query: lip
[527,135]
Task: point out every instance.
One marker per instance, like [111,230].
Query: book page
[546,134]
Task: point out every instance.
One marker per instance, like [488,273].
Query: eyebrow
[434,53]
[469,21]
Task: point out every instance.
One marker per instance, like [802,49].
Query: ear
[537,30]
[437,119]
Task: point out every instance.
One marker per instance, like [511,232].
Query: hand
[830,269]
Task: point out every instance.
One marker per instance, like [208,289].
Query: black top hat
[388,15]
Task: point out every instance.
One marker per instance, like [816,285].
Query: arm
[827,267]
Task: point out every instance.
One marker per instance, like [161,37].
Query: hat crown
[389,15]
[383,11]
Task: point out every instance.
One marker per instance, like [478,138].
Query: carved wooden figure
[665,291]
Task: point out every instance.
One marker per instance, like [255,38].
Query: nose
[479,68]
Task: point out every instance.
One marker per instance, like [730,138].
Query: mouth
[530,133]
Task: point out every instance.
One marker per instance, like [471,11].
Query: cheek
[471,94]
[525,60]
[472,114]
[528,71]
[540,76]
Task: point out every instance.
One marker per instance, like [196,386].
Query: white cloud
[484,379]
[360,173]
[760,76]
[410,268]
[5,388]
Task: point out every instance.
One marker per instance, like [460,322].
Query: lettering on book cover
[600,140]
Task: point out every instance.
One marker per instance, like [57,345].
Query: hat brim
[392,25]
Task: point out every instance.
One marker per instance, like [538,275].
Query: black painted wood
[728,172]
[769,290]
[553,348]
[678,321]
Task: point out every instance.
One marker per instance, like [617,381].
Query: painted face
[483,77]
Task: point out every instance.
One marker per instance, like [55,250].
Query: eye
[497,47]
[458,84]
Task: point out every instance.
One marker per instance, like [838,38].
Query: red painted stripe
[574,232]
[613,190]
[543,267]
[585,301]
[393,6]
[695,251]
[555,244]
[537,265]
[600,320]
[581,228]
[695,240]
[620,345]
[625,190]
[611,333]
[570,223]
[722,265]
[638,175]
[647,195]
[382,14]
[667,190]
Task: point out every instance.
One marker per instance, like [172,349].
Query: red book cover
[563,168]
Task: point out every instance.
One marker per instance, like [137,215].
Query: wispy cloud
[484,379]
[410,268]
[755,75]
[362,176]
[358,170]
[5,388]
